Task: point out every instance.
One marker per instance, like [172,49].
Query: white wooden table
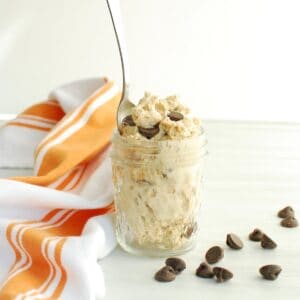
[253,170]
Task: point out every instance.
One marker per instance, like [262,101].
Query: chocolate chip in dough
[214,254]
[267,242]
[286,212]
[289,222]
[204,271]
[270,272]
[149,132]
[176,263]
[175,116]
[189,231]
[222,274]
[165,274]
[256,235]
[128,121]
[234,242]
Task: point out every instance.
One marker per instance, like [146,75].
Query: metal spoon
[125,106]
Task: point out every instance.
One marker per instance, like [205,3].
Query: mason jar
[157,193]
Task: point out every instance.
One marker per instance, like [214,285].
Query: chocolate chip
[149,132]
[289,222]
[256,235]
[189,232]
[270,272]
[165,274]
[267,243]
[128,121]
[204,271]
[176,263]
[214,254]
[234,242]
[175,116]
[286,212]
[222,274]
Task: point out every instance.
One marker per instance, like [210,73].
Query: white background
[228,59]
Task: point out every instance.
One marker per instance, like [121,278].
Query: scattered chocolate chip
[149,132]
[175,116]
[289,222]
[214,254]
[205,271]
[176,263]
[128,121]
[267,243]
[234,242]
[270,272]
[256,235]
[165,274]
[222,274]
[286,212]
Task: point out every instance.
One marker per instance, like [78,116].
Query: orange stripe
[52,276]
[96,134]
[11,227]
[78,180]
[19,124]
[82,146]
[32,241]
[100,159]
[83,109]
[19,242]
[69,178]
[45,110]
[60,287]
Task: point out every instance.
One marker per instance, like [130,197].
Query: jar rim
[187,151]
[157,143]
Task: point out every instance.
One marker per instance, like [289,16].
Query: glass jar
[157,193]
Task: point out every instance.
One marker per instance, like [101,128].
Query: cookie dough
[154,112]
[157,180]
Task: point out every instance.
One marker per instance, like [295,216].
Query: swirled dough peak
[161,119]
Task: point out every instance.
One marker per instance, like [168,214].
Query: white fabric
[20,201]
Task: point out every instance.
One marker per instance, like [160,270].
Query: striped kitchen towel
[56,224]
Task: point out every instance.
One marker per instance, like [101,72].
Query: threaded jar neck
[180,152]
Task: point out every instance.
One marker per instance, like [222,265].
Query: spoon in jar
[125,106]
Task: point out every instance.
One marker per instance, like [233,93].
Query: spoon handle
[116,18]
